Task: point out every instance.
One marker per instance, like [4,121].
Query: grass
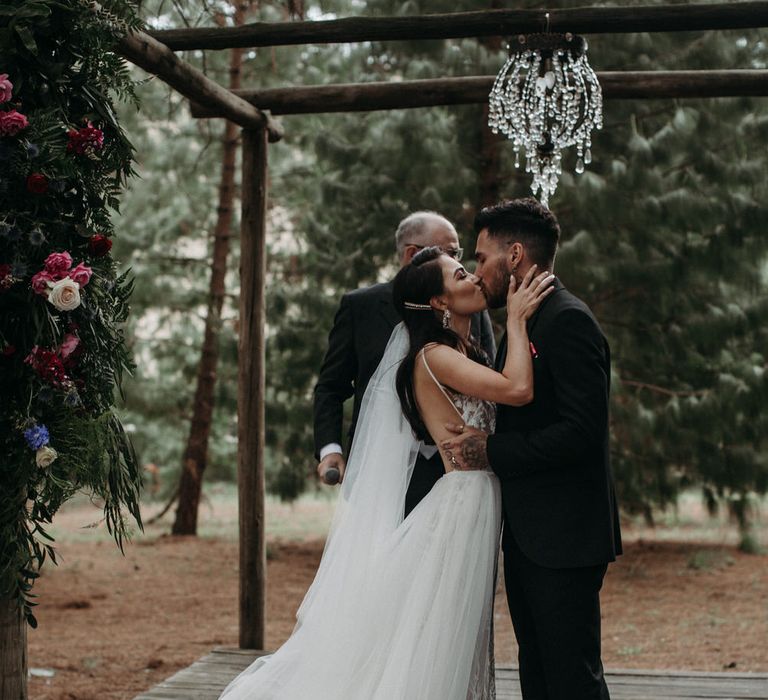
[309,518]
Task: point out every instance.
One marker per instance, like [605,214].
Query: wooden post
[13,651]
[250,403]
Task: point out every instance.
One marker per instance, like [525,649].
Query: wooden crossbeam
[582,20]
[359,97]
[156,58]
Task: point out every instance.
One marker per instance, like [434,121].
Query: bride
[401,608]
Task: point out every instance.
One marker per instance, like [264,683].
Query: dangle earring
[446,318]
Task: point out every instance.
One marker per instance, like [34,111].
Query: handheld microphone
[332,476]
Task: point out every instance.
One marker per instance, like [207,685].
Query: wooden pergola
[250,109]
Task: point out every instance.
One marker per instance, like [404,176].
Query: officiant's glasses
[455,253]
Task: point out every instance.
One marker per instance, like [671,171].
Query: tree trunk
[196,452]
[13,651]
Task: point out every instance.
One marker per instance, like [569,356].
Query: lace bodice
[475,412]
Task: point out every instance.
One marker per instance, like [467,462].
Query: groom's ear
[515,255]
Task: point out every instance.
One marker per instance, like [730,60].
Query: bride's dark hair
[417,283]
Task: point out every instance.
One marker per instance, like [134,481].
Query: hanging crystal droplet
[547,98]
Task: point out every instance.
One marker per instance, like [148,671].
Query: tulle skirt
[419,625]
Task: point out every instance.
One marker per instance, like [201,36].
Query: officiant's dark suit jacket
[356,344]
[551,456]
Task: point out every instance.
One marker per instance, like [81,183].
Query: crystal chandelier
[546,98]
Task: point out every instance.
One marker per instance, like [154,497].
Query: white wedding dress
[400,608]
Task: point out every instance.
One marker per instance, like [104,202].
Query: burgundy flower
[47,365]
[37,183]
[99,245]
[6,279]
[12,122]
[8,350]
[86,140]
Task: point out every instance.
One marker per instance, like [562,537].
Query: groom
[561,525]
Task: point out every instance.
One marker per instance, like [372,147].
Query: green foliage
[663,236]
[56,194]
[166,234]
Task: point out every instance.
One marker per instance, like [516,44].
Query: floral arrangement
[64,161]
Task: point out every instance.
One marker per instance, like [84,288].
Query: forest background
[664,236]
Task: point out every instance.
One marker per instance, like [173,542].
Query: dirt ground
[112,626]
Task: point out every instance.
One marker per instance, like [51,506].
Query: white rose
[65,294]
[45,456]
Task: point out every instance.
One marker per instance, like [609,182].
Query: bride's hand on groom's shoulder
[523,300]
[466,451]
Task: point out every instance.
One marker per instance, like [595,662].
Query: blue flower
[45,395]
[36,436]
[5,229]
[18,269]
[57,185]
[33,150]
[36,237]
[14,233]
[72,398]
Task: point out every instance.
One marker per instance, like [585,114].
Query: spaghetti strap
[439,385]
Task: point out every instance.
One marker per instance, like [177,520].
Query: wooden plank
[250,401]
[359,97]
[584,20]
[156,58]
[207,677]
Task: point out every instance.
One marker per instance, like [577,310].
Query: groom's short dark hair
[525,220]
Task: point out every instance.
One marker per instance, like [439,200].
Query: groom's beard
[497,286]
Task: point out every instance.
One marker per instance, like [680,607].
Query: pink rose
[6,88]
[58,264]
[40,282]
[11,123]
[81,274]
[68,345]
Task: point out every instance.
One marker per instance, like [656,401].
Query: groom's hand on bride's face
[466,451]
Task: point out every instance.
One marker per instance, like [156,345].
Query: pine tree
[662,236]
[196,452]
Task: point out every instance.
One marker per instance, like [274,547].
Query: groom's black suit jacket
[356,344]
[551,455]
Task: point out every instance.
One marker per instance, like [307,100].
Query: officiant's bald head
[422,229]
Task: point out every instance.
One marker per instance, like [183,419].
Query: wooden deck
[206,678]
